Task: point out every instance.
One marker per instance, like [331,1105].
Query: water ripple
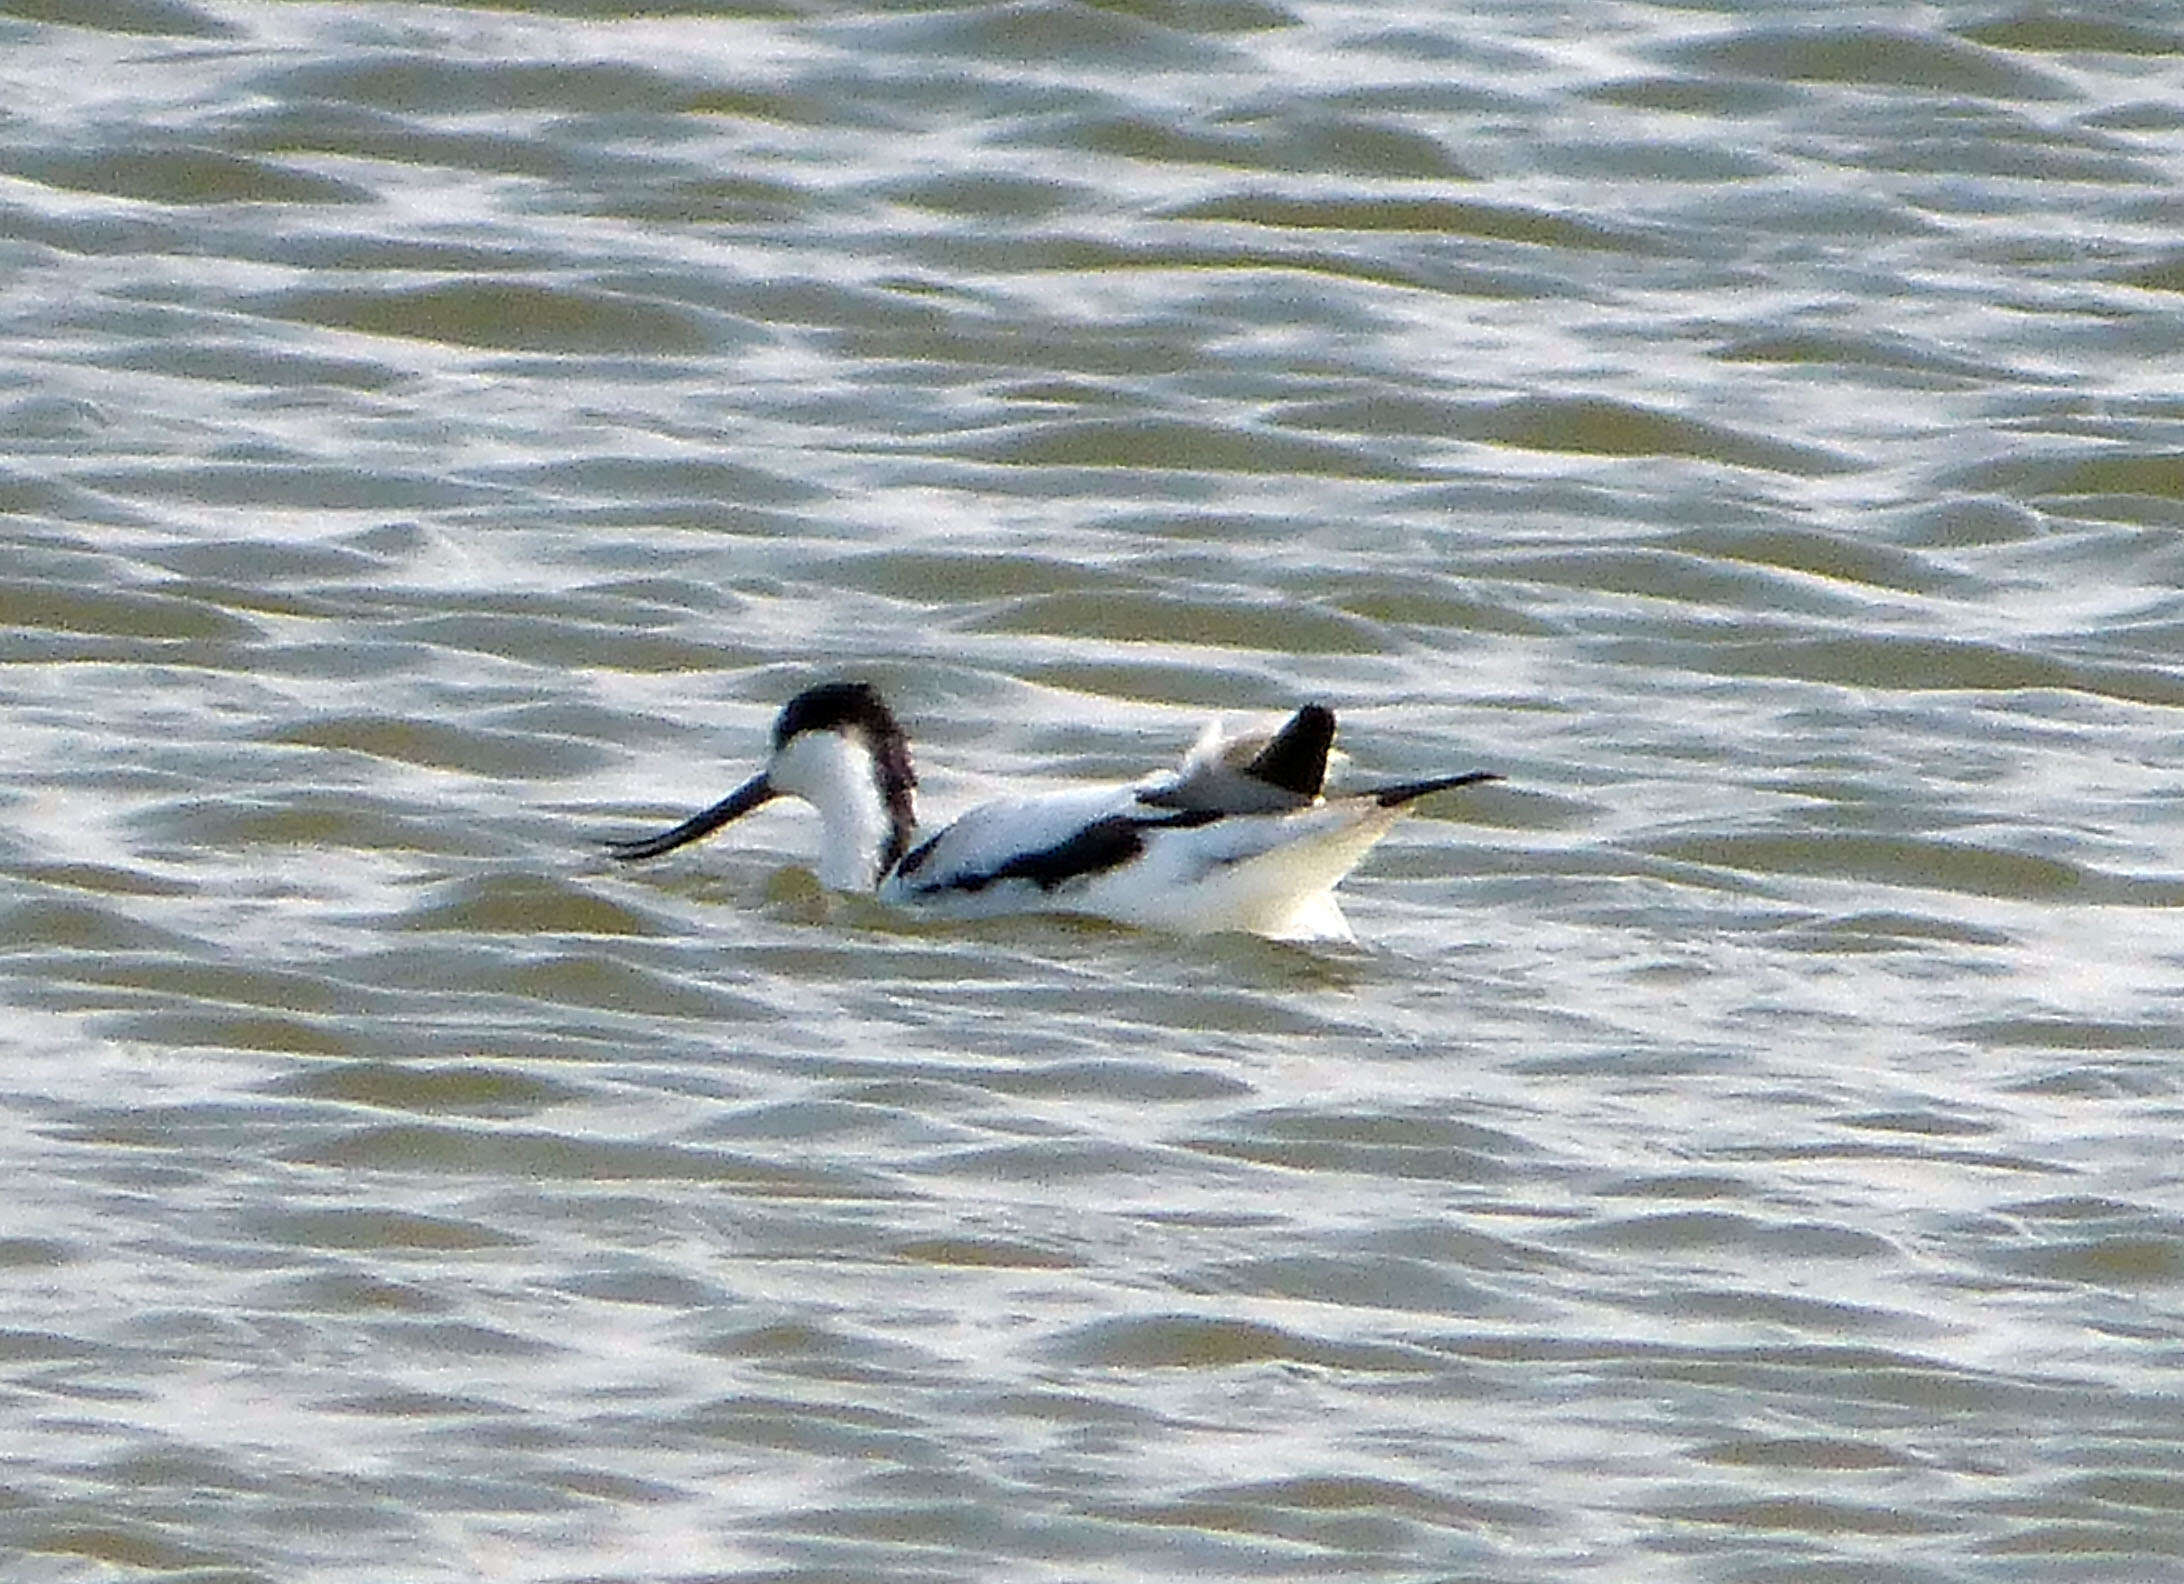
[434,439]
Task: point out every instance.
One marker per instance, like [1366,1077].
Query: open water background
[1746,1146]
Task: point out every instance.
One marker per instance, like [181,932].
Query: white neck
[835,776]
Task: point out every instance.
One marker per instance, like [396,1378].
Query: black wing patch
[1100,846]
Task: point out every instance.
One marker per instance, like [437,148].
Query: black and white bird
[1236,837]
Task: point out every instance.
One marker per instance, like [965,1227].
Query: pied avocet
[1237,837]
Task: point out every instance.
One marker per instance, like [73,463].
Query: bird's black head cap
[837,706]
[856,708]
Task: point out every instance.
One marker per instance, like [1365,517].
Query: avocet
[1236,837]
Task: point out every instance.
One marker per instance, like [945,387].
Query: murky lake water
[1743,1148]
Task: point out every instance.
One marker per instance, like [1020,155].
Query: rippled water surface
[1745,1145]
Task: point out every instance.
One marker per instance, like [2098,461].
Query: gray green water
[1745,1146]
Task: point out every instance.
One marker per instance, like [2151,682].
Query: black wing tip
[1296,759]
[1410,791]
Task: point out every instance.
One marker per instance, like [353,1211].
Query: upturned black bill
[734,806]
